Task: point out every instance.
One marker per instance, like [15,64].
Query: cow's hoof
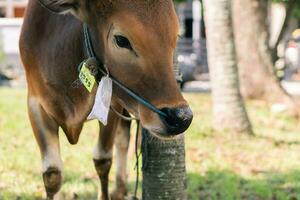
[52,181]
[56,197]
[102,197]
[117,195]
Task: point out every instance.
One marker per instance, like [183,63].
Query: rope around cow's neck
[104,70]
[91,53]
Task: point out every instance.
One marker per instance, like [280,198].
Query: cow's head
[136,39]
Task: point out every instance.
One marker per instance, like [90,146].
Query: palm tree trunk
[257,72]
[164,173]
[229,112]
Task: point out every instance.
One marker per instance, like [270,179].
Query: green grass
[221,166]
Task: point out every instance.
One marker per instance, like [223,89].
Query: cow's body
[56,102]
[68,105]
[52,47]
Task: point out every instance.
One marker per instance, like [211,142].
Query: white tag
[102,101]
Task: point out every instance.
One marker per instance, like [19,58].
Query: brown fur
[51,48]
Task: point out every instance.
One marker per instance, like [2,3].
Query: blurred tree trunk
[257,72]
[229,112]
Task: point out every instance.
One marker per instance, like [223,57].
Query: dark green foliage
[179,1]
[296,10]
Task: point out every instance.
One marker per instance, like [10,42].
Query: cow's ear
[76,7]
[61,6]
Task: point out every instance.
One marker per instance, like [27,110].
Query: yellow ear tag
[87,79]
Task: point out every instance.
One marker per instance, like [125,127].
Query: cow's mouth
[166,137]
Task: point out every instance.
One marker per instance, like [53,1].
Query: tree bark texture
[257,72]
[229,112]
[164,172]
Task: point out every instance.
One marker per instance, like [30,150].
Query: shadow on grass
[80,196]
[214,185]
[278,142]
[227,185]
[75,187]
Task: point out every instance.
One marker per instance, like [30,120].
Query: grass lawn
[220,166]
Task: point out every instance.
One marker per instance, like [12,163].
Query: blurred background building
[11,13]
[191,48]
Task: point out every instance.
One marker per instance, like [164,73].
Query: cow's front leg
[103,153]
[121,144]
[46,132]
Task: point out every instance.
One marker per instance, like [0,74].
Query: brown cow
[135,39]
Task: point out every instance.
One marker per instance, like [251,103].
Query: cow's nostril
[171,118]
[177,120]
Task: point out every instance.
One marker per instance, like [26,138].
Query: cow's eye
[123,42]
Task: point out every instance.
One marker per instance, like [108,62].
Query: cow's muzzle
[177,120]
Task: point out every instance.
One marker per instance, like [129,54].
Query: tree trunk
[164,173]
[229,112]
[257,73]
